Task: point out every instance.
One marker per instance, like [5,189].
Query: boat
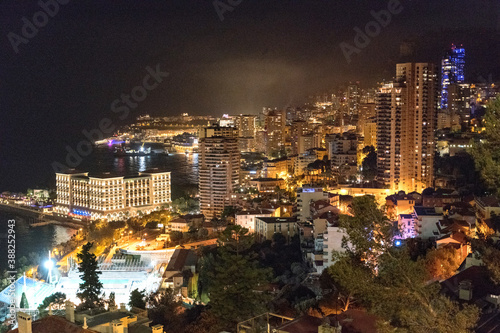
[127,151]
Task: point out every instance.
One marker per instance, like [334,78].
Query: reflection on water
[184,167]
[184,170]
[39,240]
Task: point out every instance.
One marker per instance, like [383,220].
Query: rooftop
[180,259]
[267,179]
[256,212]
[426,211]
[106,317]
[51,324]
[490,201]
[278,219]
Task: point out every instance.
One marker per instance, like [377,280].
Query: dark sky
[264,53]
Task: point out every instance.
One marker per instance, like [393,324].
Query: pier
[37,218]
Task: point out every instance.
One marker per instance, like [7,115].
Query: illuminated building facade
[275,122]
[219,167]
[452,71]
[246,125]
[406,120]
[111,197]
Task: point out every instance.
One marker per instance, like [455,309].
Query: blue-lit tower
[452,71]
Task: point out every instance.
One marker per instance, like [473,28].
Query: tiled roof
[55,324]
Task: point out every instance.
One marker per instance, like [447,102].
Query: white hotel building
[110,197]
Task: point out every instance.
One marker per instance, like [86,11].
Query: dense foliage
[90,289]
[385,280]
[486,153]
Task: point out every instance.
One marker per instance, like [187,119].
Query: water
[38,240]
[184,168]
[184,177]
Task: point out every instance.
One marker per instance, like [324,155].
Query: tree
[369,164]
[175,236]
[236,291]
[369,232]
[442,263]
[137,299]
[24,301]
[207,322]
[349,279]
[89,291]
[486,153]
[163,308]
[490,255]
[56,299]
[386,281]
[111,300]
[193,286]
[236,238]
[228,211]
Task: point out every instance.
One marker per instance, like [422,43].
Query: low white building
[332,242]
[307,195]
[246,218]
[426,221]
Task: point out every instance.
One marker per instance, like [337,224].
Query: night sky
[264,53]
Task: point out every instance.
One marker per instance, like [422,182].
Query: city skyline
[234,166]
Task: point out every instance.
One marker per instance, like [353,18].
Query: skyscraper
[246,125]
[406,117]
[219,173]
[275,124]
[452,71]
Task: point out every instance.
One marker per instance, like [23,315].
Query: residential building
[298,128]
[332,243]
[407,226]
[402,203]
[48,324]
[440,198]
[426,222]
[277,168]
[219,165]
[406,116]
[246,218]
[370,133]
[246,125]
[181,260]
[267,185]
[179,224]
[304,143]
[486,206]
[107,196]
[218,131]
[275,122]
[306,196]
[266,227]
[452,71]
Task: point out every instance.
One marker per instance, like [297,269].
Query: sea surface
[184,176]
[30,240]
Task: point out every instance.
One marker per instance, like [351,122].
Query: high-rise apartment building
[275,122]
[224,131]
[111,197]
[452,71]
[406,120]
[246,125]
[343,153]
[352,98]
[298,128]
[219,166]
